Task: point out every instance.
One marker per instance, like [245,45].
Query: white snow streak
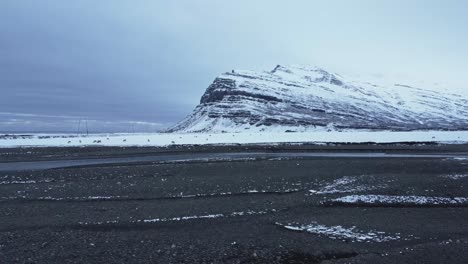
[184,218]
[343,233]
[400,200]
[455,176]
[345,184]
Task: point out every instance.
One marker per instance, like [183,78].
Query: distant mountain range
[302,98]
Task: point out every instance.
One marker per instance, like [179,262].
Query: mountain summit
[303,98]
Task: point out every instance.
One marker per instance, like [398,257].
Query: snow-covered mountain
[301,98]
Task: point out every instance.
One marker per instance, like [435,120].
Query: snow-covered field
[166,139]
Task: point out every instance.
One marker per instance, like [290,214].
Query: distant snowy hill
[300,99]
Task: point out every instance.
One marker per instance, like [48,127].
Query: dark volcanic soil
[233,211]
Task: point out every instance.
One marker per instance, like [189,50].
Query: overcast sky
[143,65]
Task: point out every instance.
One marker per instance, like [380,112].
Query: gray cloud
[118,62]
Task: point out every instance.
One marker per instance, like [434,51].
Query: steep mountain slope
[299,98]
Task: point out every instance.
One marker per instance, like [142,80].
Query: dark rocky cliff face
[225,89]
[310,99]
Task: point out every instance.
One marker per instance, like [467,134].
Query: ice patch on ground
[343,233]
[399,200]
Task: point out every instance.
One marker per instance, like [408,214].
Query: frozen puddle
[343,233]
[346,184]
[398,200]
[183,218]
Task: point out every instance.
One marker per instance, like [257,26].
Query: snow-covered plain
[166,139]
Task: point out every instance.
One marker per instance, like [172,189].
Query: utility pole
[79,125]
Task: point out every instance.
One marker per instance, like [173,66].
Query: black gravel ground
[235,211]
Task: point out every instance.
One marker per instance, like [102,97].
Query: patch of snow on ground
[345,184]
[343,233]
[455,176]
[206,160]
[460,159]
[254,191]
[50,198]
[185,218]
[338,186]
[400,200]
[20,182]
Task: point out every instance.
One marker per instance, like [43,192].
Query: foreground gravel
[258,210]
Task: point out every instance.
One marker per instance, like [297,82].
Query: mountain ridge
[308,98]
